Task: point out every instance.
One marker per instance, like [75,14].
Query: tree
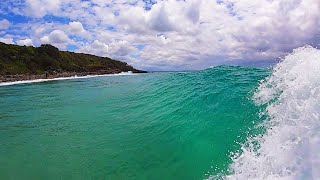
[50,50]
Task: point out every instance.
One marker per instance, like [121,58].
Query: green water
[147,126]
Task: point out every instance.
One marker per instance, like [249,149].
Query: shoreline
[27,79]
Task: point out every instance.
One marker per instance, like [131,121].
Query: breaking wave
[289,148]
[63,78]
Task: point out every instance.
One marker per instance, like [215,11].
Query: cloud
[97,47]
[40,8]
[4,24]
[159,19]
[190,34]
[117,49]
[25,42]
[7,39]
[57,37]
[76,28]
[193,12]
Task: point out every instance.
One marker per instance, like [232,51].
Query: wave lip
[64,78]
[290,147]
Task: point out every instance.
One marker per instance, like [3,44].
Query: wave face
[289,148]
[176,125]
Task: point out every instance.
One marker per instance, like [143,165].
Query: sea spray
[290,147]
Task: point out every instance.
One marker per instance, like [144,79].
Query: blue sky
[166,34]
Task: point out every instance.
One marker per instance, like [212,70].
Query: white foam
[64,78]
[290,148]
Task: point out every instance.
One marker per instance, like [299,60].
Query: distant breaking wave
[63,78]
[290,148]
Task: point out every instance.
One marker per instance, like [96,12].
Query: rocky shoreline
[25,63]
[51,75]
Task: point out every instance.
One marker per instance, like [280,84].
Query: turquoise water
[148,126]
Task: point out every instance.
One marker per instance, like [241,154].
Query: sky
[166,34]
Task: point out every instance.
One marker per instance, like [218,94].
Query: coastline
[27,78]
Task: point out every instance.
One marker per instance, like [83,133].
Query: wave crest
[290,147]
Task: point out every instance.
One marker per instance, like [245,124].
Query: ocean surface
[225,122]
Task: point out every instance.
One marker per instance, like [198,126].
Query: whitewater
[290,147]
[64,78]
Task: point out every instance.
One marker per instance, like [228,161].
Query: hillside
[27,60]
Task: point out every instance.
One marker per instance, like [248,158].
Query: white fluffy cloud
[172,34]
[57,38]
[40,8]
[97,47]
[8,39]
[4,24]
[25,42]
[76,28]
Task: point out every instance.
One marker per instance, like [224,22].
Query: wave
[64,78]
[289,148]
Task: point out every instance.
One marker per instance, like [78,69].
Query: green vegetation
[31,60]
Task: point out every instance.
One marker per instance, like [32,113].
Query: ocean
[224,122]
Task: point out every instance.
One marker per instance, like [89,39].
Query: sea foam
[290,148]
[64,78]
